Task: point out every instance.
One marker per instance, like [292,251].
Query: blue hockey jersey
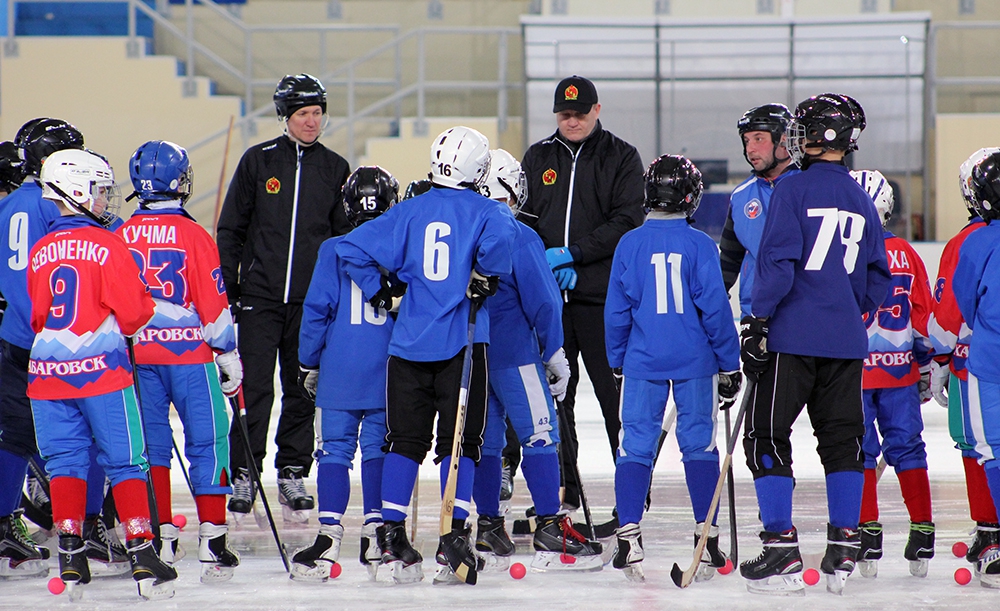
[431,243]
[977,274]
[344,336]
[821,265]
[667,316]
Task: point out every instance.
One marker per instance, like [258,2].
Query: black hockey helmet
[830,121]
[417,187]
[39,138]
[772,118]
[985,185]
[673,184]
[295,91]
[369,192]
[11,166]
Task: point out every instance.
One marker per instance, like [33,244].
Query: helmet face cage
[460,158]
[673,184]
[40,138]
[986,187]
[506,180]
[295,91]
[161,171]
[965,176]
[83,182]
[879,189]
[368,192]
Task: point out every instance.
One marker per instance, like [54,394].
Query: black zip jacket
[585,200]
[281,194]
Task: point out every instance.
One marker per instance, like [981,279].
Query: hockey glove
[566,278]
[234,309]
[924,384]
[481,287]
[619,378]
[940,376]
[230,372]
[308,378]
[753,346]
[729,387]
[559,258]
[383,298]
[557,371]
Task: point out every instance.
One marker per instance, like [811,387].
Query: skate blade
[314,574]
[402,574]
[260,517]
[213,572]
[447,577]
[989,581]
[705,572]
[99,568]
[237,520]
[918,568]
[149,589]
[778,585]
[835,583]
[29,569]
[634,573]
[493,563]
[293,517]
[74,590]
[868,568]
[557,561]
[372,570]
[504,507]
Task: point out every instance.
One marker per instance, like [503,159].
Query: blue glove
[559,258]
[566,278]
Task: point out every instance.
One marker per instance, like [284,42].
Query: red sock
[981,508]
[69,504]
[211,508]
[132,503]
[916,494]
[869,498]
[161,486]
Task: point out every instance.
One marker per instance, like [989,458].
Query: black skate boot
[629,553]
[920,547]
[462,563]
[74,570]
[506,486]
[313,563]
[712,558]
[243,497]
[36,503]
[217,559]
[987,535]
[988,568]
[560,547]
[371,553]
[493,543]
[871,548]
[170,548]
[104,550]
[295,503]
[20,557]
[842,548]
[778,568]
[398,553]
[154,577]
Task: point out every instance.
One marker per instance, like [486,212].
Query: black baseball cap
[575,93]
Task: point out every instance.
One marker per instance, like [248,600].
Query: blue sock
[631,485]
[398,476]
[774,496]
[95,484]
[13,469]
[463,489]
[541,472]
[701,476]
[992,468]
[333,486]
[371,489]
[486,488]
[843,498]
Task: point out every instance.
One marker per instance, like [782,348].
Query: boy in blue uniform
[448,246]
[821,265]
[666,283]
[350,391]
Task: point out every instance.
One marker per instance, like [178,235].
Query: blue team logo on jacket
[752,209]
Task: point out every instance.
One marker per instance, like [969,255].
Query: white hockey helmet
[82,182]
[965,175]
[460,158]
[879,189]
[506,180]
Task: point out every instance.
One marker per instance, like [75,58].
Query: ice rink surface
[260,583]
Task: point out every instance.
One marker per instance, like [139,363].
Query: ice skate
[871,549]
[36,504]
[154,578]
[371,554]
[987,536]
[506,487]
[920,547]
[244,494]
[629,553]
[217,559]
[842,547]
[988,568]
[296,505]
[397,553]
[493,544]
[313,563]
[170,548]
[104,550]
[778,568]
[712,558]
[559,547]
[20,558]
[74,570]
[462,565]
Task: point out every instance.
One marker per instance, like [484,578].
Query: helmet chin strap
[72,206]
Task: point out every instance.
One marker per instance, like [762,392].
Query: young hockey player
[666,282]
[822,244]
[174,352]
[528,367]
[898,361]
[976,279]
[86,293]
[949,378]
[448,246]
[350,392]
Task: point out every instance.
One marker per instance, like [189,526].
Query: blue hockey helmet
[160,171]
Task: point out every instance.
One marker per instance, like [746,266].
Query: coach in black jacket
[584,192]
[284,200]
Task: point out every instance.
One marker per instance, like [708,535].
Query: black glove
[308,377]
[753,346]
[383,298]
[729,387]
[619,376]
[234,309]
[481,287]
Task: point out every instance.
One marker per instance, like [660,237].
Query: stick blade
[677,575]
